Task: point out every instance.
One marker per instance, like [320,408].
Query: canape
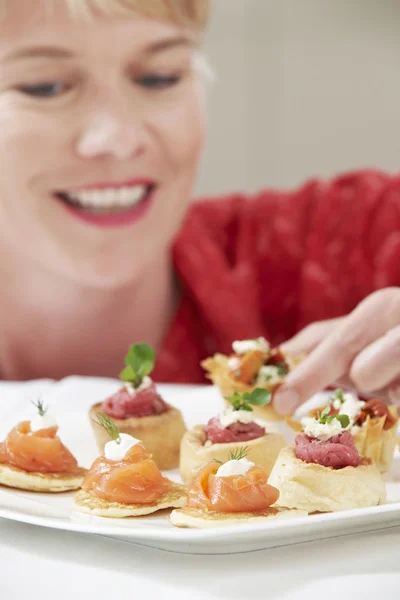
[138,410]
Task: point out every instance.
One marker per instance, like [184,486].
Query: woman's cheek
[182,127]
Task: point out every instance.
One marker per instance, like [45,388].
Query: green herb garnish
[139,362]
[338,395]
[108,424]
[238,453]
[325,418]
[40,407]
[258,397]
[344,420]
[282,369]
[219,462]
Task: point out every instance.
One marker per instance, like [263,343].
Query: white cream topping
[229,416]
[321,431]
[233,363]
[235,467]
[117,451]
[351,407]
[45,421]
[269,373]
[146,383]
[244,346]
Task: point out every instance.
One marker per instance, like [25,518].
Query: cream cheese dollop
[45,421]
[146,383]
[229,416]
[351,407]
[114,450]
[244,346]
[321,431]
[269,374]
[233,363]
[235,467]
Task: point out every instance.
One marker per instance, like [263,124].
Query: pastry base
[89,503]
[14,477]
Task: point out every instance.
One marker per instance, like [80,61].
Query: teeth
[109,198]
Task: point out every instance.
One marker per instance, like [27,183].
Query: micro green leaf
[139,362]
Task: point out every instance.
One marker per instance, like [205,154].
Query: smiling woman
[102,125]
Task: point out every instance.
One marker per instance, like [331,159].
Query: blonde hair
[193,14]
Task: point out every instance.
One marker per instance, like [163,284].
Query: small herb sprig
[236,454]
[139,362]
[338,395]
[282,369]
[258,397]
[108,425]
[41,408]
[325,418]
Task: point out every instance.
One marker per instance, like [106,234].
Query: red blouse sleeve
[271,263]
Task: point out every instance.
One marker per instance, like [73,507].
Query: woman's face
[101,128]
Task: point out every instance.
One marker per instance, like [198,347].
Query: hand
[361,351]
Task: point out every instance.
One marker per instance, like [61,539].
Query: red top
[270,264]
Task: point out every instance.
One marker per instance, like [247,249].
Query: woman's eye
[44,90]
[157,82]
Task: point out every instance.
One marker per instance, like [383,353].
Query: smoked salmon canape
[235,491]
[372,424]
[125,481]
[324,472]
[139,411]
[33,458]
[236,424]
[253,364]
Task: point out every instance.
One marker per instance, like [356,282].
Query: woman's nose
[112,131]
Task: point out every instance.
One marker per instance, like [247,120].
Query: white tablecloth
[37,563]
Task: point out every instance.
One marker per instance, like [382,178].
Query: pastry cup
[196,451]
[377,443]
[219,373]
[371,440]
[314,488]
[161,434]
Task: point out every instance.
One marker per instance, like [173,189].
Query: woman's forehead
[40,31]
[191,14]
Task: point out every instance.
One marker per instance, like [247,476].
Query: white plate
[70,400]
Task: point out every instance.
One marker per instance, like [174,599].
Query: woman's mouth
[109,205]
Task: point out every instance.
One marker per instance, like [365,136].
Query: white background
[304,88]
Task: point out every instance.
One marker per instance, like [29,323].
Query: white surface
[298,91]
[70,400]
[38,562]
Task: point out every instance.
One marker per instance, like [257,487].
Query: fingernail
[286,402]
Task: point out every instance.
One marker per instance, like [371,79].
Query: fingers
[394,393]
[378,364]
[333,357]
[309,337]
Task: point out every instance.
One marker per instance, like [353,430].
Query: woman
[102,126]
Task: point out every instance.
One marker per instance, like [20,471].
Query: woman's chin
[103,276]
